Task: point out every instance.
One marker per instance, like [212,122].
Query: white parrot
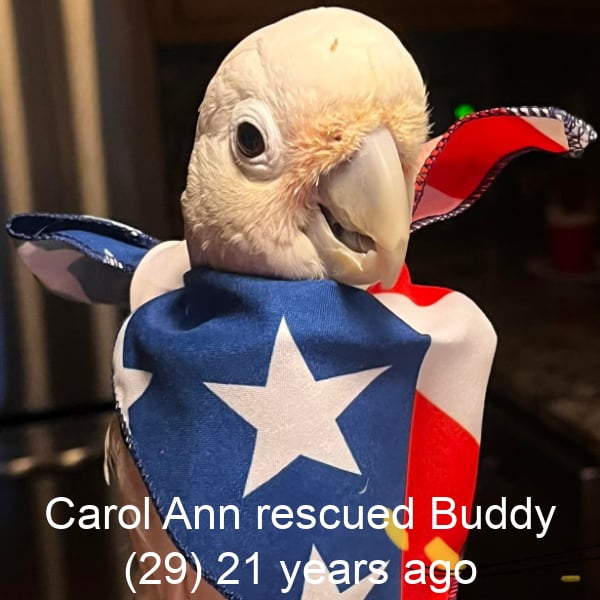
[310,145]
[304,164]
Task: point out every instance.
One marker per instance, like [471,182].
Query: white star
[51,267]
[129,384]
[294,415]
[326,590]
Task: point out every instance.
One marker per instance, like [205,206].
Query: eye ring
[255,140]
[250,140]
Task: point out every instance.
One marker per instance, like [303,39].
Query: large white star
[326,590]
[293,414]
[129,384]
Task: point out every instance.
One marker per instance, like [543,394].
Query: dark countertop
[548,357]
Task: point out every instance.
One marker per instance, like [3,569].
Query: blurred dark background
[98,104]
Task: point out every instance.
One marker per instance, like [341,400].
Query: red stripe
[475,147]
[421,295]
[442,461]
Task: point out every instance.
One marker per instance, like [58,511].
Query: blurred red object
[572,236]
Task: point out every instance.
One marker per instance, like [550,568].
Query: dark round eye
[250,140]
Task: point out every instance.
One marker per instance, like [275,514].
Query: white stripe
[456,368]
[551,128]
[434,202]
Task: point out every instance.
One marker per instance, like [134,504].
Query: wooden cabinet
[201,21]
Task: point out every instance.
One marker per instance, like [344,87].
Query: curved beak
[368,195]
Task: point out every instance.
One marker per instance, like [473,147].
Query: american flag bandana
[312,402]
[242,391]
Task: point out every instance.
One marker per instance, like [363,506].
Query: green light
[462,110]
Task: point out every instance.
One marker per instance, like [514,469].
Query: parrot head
[306,153]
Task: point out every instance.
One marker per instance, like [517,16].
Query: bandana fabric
[464,161]
[242,391]
[271,393]
[81,258]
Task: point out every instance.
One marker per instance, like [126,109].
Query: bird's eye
[255,140]
[250,140]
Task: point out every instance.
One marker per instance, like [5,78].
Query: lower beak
[368,194]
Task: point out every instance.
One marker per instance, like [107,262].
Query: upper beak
[368,194]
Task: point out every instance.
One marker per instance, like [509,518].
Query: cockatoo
[280,356]
[315,126]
